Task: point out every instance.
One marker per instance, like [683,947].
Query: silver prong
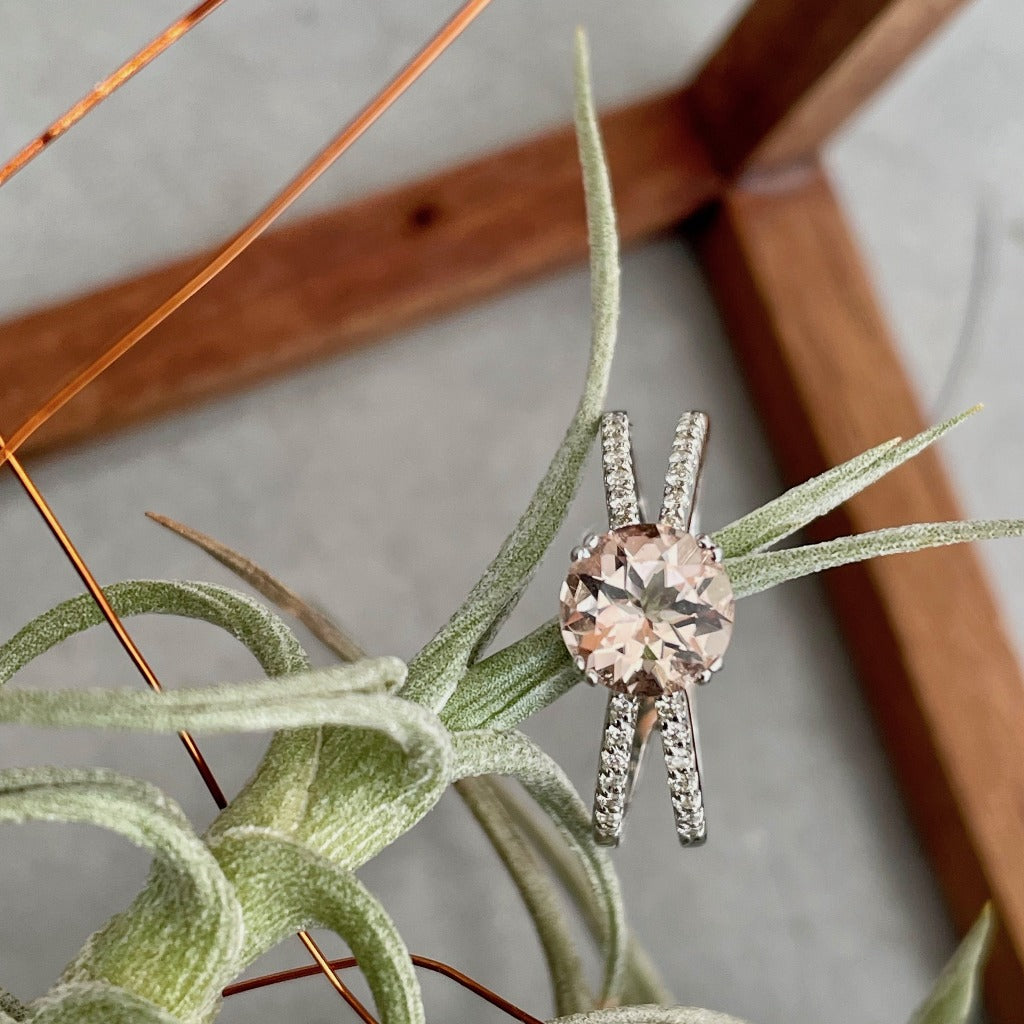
[707,542]
[593,678]
[704,677]
[580,662]
[585,548]
[716,665]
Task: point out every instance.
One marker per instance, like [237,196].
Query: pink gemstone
[648,610]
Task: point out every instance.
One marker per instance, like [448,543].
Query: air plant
[365,748]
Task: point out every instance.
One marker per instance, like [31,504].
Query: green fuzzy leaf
[641,983]
[487,752]
[271,642]
[512,684]
[284,886]
[543,901]
[278,792]
[93,1003]
[317,697]
[435,671]
[816,497]
[955,995]
[649,1015]
[482,796]
[356,789]
[180,941]
[11,1009]
[750,574]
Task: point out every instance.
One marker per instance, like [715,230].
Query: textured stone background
[380,484]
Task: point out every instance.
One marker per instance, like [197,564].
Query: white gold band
[630,718]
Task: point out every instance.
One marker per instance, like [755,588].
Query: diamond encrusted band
[617,769]
[684,465]
[680,746]
[631,716]
[620,751]
[620,488]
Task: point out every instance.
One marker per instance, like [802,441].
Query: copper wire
[240,242]
[147,673]
[437,966]
[235,246]
[110,84]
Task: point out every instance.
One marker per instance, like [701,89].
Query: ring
[647,610]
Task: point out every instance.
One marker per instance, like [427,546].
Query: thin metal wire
[240,242]
[110,84]
[139,660]
[426,56]
[437,966]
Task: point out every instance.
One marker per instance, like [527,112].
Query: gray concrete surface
[386,480]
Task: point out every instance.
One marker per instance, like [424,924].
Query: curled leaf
[486,752]
[341,695]
[182,937]
[271,642]
[284,886]
[434,672]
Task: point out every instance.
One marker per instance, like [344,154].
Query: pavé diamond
[648,609]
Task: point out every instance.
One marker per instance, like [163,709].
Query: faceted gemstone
[648,610]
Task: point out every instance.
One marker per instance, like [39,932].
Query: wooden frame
[734,159]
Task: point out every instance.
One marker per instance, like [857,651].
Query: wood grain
[352,275]
[923,629]
[792,71]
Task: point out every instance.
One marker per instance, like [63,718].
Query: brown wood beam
[923,629]
[354,274]
[792,71]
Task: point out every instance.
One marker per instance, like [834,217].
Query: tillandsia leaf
[543,901]
[319,624]
[434,673]
[341,695]
[481,794]
[814,498]
[271,642]
[649,1015]
[512,684]
[11,1008]
[278,791]
[181,940]
[486,752]
[642,983]
[955,995]
[97,1003]
[750,574]
[284,886]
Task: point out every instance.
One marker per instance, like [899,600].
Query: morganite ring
[646,610]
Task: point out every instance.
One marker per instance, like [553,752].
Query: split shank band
[630,719]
